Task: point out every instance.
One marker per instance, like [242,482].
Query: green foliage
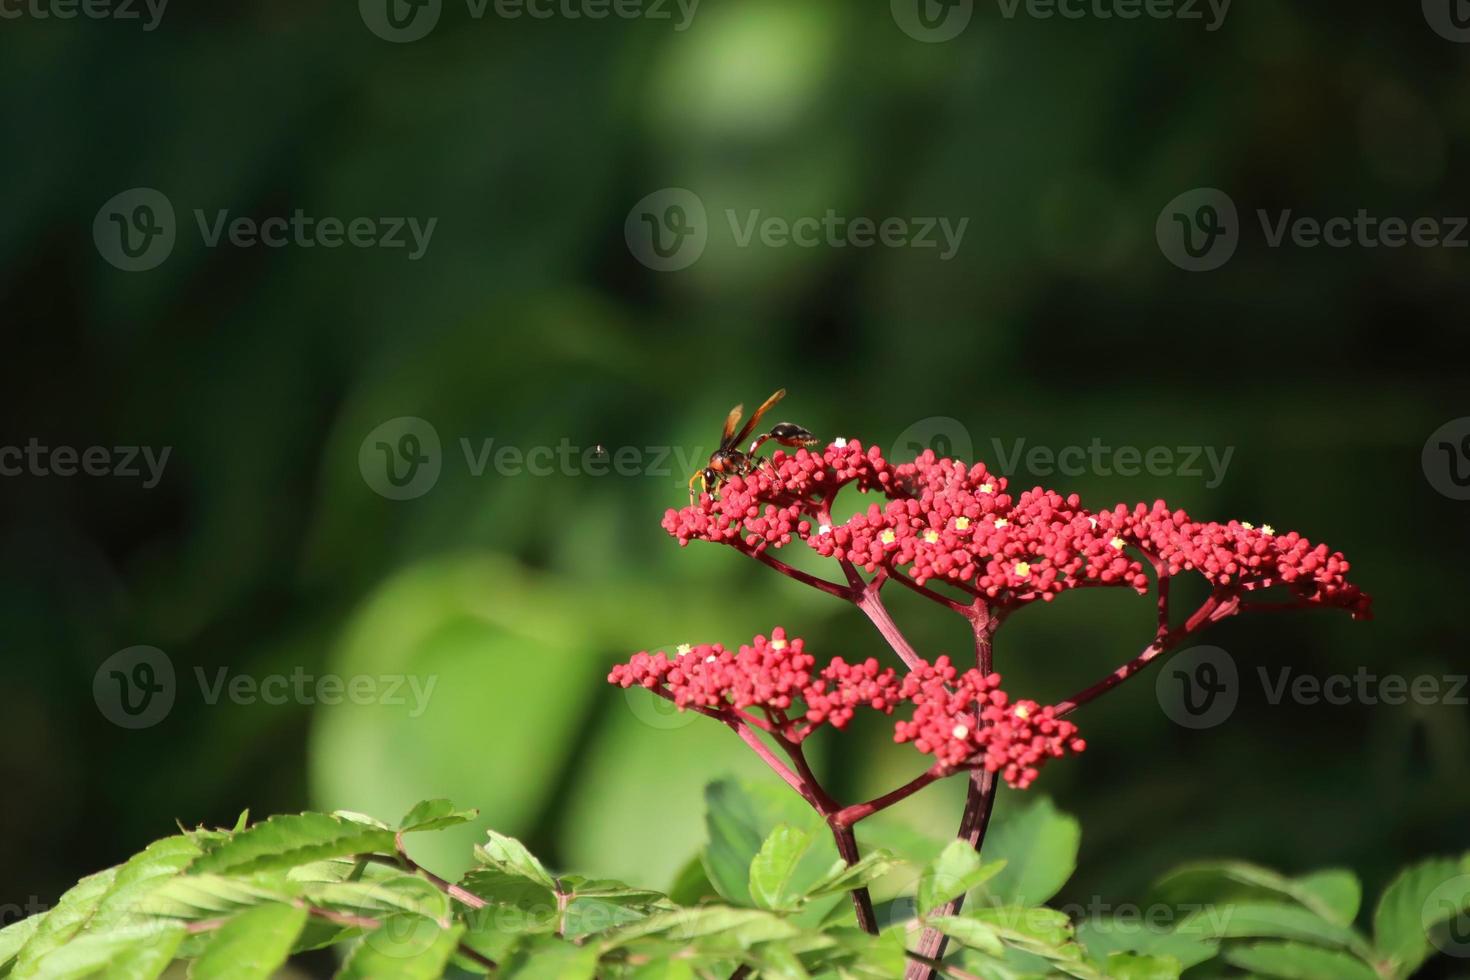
[236,904]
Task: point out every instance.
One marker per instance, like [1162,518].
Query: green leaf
[404,947]
[71,912]
[16,935]
[664,970]
[1032,928]
[551,959]
[211,896]
[739,928]
[252,944]
[692,885]
[511,856]
[1269,920]
[1421,897]
[286,841]
[1039,845]
[1128,966]
[401,893]
[954,872]
[132,950]
[969,931]
[1327,893]
[522,905]
[739,817]
[1334,893]
[772,868]
[842,877]
[435,815]
[1101,937]
[1295,961]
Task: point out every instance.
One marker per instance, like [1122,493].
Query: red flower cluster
[766,674]
[948,521]
[963,720]
[967,718]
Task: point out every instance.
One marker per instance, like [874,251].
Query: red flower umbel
[964,720]
[944,520]
[768,675]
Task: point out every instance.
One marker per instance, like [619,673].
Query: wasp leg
[698,474]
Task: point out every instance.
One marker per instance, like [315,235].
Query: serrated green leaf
[435,815]
[551,959]
[970,932]
[842,877]
[1327,893]
[1296,961]
[739,817]
[735,927]
[774,865]
[521,905]
[1131,966]
[1337,893]
[1419,898]
[286,841]
[404,947]
[134,949]
[1031,928]
[401,893]
[212,896]
[1039,845]
[15,935]
[1269,920]
[511,856]
[71,912]
[954,872]
[250,945]
[1101,937]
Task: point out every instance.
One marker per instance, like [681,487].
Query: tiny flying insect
[730,460]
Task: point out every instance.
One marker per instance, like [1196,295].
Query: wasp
[730,460]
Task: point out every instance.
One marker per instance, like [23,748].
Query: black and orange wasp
[730,460]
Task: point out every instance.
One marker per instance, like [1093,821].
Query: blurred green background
[265,548]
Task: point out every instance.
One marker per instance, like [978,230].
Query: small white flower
[683,648]
[931,536]
[961,523]
[1117,543]
[1021,712]
[887,536]
[1247,525]
[840,442]
[960,731]
[1001,522]
[778,644]
[1093,522]
[824,528]
[1023,569]
[1268,530]
[711,659]
[987,488]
